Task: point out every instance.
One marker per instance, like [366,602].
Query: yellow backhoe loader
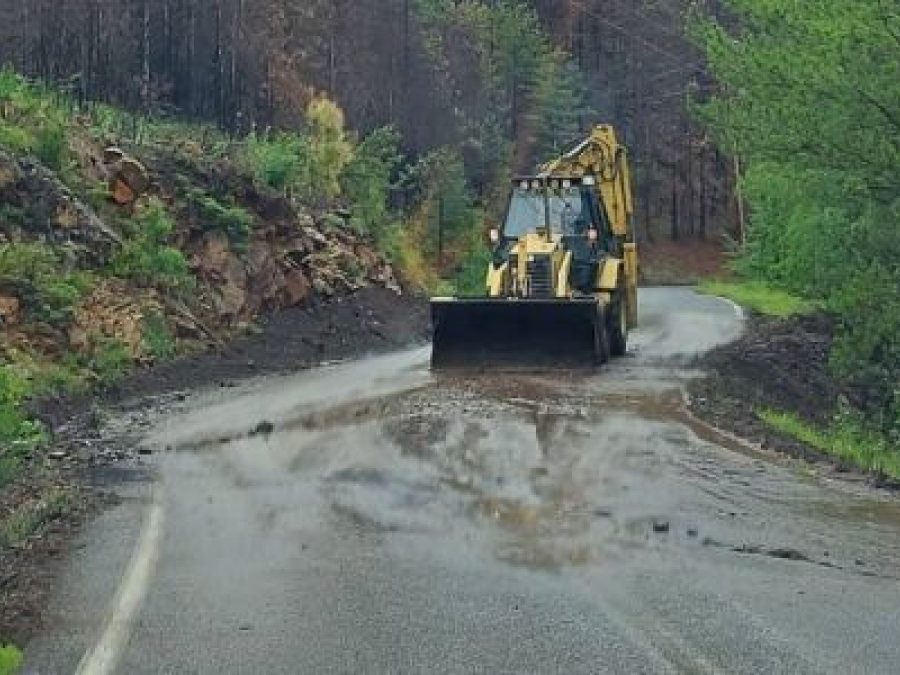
[561,288]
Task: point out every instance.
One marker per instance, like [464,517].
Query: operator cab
[558,207]
[565,210]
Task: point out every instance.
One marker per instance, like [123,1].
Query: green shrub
[109,359]
[276,160]
[15,138]
[147,258]
[236,222]
[308,163]
[367,179]
[38,277]
[471,279]
[34,121]
[10,660]
[158,339]
[18,434]
[330,151]
[51,145]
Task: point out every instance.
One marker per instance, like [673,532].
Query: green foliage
[109,359]
[32,120]
[18,434]
[330,151]
[158,339]
[471,279]
[11,660]
[447,215]
[367,179]
[147,259]
[529,93]
[275,160]
[14,138]
[51,145]
[38,277]
[308,163]
[31,516]
[11,215]
[849,439]
[811,101]
[235,221]
[761,297]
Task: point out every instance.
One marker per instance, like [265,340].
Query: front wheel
[618,328]
[601,340]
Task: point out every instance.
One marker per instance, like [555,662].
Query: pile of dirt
[778,364]
[369,321]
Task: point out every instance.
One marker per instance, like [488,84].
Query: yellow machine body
[562,285]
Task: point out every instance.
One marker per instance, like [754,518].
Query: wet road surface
[392,521]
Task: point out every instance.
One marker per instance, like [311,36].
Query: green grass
[31,516]
[18,435]
[847,439]
[761,297]
[10,660]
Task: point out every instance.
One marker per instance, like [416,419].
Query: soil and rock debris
[777,364]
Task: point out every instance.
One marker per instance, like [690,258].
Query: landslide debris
[777,364]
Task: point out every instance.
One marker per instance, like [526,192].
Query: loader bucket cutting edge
[516,333]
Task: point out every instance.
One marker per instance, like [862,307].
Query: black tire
[618,328]
[601,340]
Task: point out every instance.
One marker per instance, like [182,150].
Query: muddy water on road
[557,472]
[704,553]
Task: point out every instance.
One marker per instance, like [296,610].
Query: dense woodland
[505,82]
[810,98]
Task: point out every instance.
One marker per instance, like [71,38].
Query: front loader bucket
[521,334]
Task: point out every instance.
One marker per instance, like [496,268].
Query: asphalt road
[399,522]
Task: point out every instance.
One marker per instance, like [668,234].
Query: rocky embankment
[292,256]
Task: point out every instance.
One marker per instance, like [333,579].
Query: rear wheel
[618,327]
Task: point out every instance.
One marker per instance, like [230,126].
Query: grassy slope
[760,298]
[846,440]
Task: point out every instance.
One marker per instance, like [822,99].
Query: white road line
[105,655]
[737,308]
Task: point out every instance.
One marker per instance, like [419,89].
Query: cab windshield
[569,212]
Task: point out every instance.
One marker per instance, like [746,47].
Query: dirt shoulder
[65,482]
[777,364]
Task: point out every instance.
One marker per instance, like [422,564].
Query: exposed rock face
[284,270]
[112,311]
[10,310]
[292,257]
[51,212]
